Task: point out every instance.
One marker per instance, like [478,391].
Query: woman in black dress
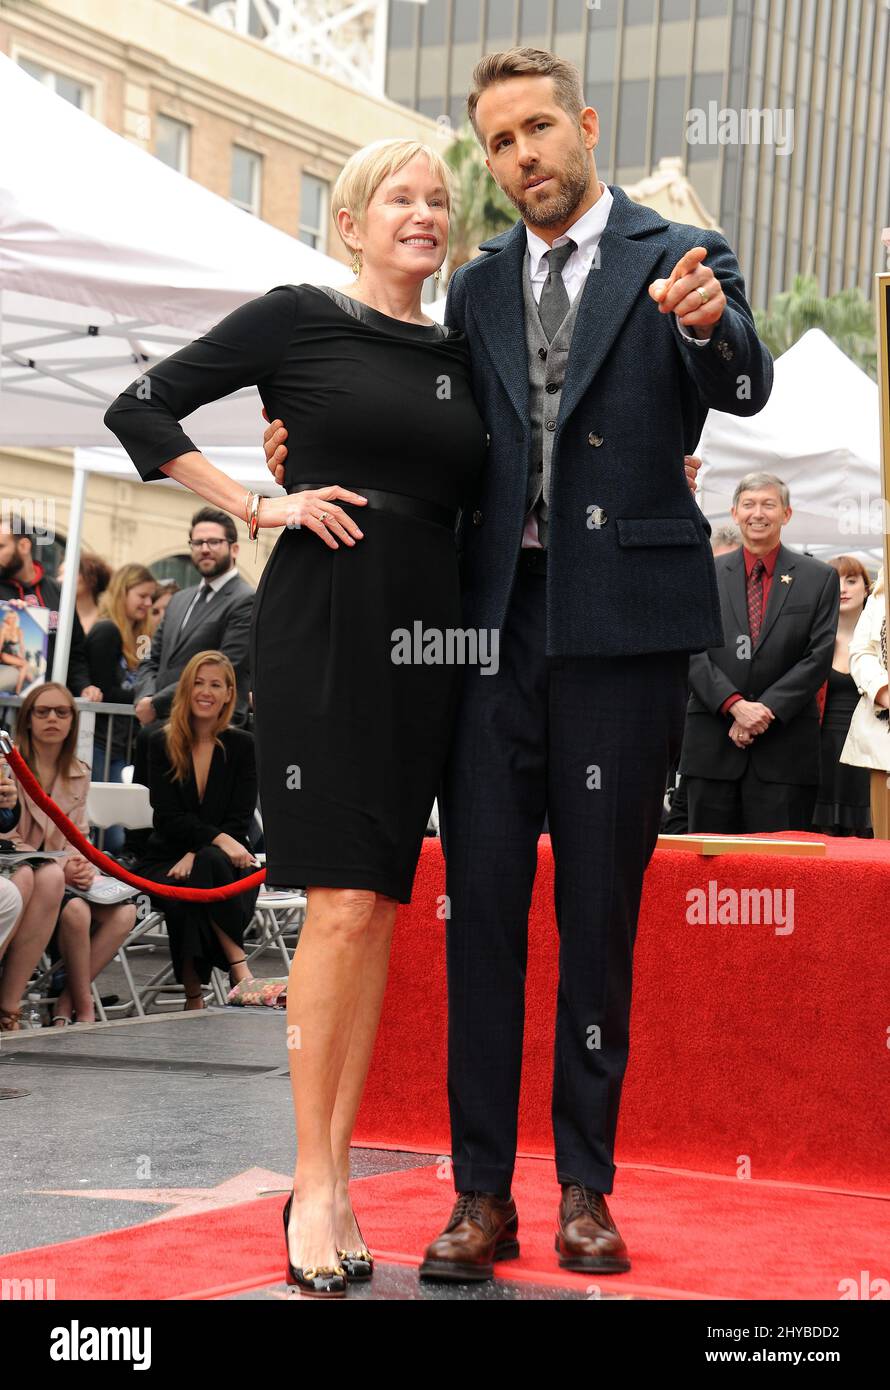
[843,802]
[386,445]
[202,782]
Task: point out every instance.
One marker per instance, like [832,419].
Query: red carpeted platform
[690,1236]
[755,1050]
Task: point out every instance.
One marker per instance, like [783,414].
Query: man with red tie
[751,747]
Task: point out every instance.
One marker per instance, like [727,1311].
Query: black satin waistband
[389,501]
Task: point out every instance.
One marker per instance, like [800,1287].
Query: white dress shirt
[585,233]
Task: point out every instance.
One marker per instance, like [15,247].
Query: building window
[432,22]
[500,28]
[313,212]
[467,14]
[403,24]
[80,94]
[535,21]
[172,143]
[246,178]
[632,120]
[638,11]
[178,567]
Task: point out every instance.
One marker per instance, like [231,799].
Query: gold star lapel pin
[786,578]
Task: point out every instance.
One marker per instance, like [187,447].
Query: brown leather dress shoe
[587,1238]
[482,1230]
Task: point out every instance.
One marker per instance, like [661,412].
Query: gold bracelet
[247,499]
[253,521]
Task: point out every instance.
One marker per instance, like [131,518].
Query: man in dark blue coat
[600,335]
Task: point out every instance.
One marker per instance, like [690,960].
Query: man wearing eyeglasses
[214,615]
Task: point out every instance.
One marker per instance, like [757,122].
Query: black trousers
[589,741]
[748,804]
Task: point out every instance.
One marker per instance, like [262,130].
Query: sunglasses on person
[60,711]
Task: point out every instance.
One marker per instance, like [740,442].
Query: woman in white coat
[868,742]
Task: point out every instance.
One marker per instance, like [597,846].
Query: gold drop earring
[356,264]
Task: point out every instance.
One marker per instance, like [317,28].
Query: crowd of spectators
[787,729]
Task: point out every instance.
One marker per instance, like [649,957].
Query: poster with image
[24,638]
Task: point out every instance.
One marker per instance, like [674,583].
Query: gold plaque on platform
[703,843]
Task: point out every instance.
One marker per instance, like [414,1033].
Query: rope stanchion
[29,783]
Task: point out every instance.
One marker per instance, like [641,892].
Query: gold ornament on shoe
[314,1270]
[361,1254]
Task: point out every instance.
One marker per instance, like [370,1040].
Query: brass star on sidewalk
[186,1201]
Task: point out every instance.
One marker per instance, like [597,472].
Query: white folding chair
[129,804]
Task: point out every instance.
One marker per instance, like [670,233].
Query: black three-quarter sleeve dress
[355,679]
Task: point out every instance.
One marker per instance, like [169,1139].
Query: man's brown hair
[527,62]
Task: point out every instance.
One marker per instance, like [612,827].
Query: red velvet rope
[109,866]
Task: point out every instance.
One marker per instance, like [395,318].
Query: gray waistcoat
[544,404]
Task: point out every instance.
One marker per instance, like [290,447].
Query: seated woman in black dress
[203,789]
[351,741]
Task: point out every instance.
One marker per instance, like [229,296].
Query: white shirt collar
[586,232]
[219,580]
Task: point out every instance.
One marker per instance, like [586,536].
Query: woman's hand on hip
[314,510]
[275,448]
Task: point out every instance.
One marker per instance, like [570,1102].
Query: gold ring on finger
[704,294]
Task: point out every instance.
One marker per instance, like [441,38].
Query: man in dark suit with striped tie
[215,615]
[750,756]
[600,335]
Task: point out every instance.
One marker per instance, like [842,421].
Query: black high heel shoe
[359,1264]
[323,1281]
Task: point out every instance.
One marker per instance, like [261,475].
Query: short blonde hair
[364,171]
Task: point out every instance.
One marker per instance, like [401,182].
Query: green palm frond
[846,317]
[480,210]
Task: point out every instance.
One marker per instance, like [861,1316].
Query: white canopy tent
[820,433]
[109,261]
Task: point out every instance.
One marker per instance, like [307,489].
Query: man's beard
[220,566]
[574,181]
[10,570]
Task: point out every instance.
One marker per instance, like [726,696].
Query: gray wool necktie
[554,302]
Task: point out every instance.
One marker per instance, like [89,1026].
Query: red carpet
[750,1050]
[753,1052]
[690,1236]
